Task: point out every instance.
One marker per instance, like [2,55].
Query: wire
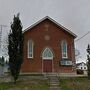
[82,36]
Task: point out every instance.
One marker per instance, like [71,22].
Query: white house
[82,66]
[4,68]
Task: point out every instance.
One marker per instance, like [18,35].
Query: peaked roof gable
[81,63]
[47,17]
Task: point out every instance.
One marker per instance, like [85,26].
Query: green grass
[78,83]
[25,85]
[75,83]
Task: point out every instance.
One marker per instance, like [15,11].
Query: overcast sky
[72,14]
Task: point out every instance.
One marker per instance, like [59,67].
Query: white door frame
[48,58]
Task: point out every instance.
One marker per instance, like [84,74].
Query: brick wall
[42,37]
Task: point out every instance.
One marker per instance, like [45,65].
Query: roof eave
[47,17]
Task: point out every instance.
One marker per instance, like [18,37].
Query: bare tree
[5,46]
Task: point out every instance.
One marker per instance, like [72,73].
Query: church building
[48,48]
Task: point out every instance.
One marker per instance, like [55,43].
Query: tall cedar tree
[15,47]
[88,63]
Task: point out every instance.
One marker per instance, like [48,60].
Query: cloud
[73,14]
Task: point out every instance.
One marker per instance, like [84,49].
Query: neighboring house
[82,66]
[48,47]
[3,67]
[6,67]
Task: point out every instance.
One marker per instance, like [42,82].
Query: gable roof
[80,63]
[47,17]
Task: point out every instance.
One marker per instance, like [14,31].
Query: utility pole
[88,58]
[1,27]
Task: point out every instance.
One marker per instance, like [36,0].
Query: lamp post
[88,58]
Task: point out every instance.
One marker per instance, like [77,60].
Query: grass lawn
[75,83]
[25,85]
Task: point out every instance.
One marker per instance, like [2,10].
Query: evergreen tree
[15,47]
[88,63]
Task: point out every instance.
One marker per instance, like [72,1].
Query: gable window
[64,49]
[85,68]
[30,49]
[47,54]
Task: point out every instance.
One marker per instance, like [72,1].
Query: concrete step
[54,85]
[54,82]
[51,74]
[54,79]
[54,88]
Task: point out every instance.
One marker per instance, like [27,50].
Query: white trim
[50,58]
[42,65]
[66,53]
[28,49]
[47,58]
[47,17]
[52,67]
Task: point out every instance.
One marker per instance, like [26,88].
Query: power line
[82,36]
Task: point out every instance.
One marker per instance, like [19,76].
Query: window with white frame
[64,49]
[47,54]
[30,49]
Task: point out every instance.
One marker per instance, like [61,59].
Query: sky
[72,14]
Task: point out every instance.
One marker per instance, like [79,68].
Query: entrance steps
[53,81]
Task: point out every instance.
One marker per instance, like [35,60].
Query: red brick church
[48,47]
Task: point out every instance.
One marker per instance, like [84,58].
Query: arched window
[47,54]
[30,49]
[64,49]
